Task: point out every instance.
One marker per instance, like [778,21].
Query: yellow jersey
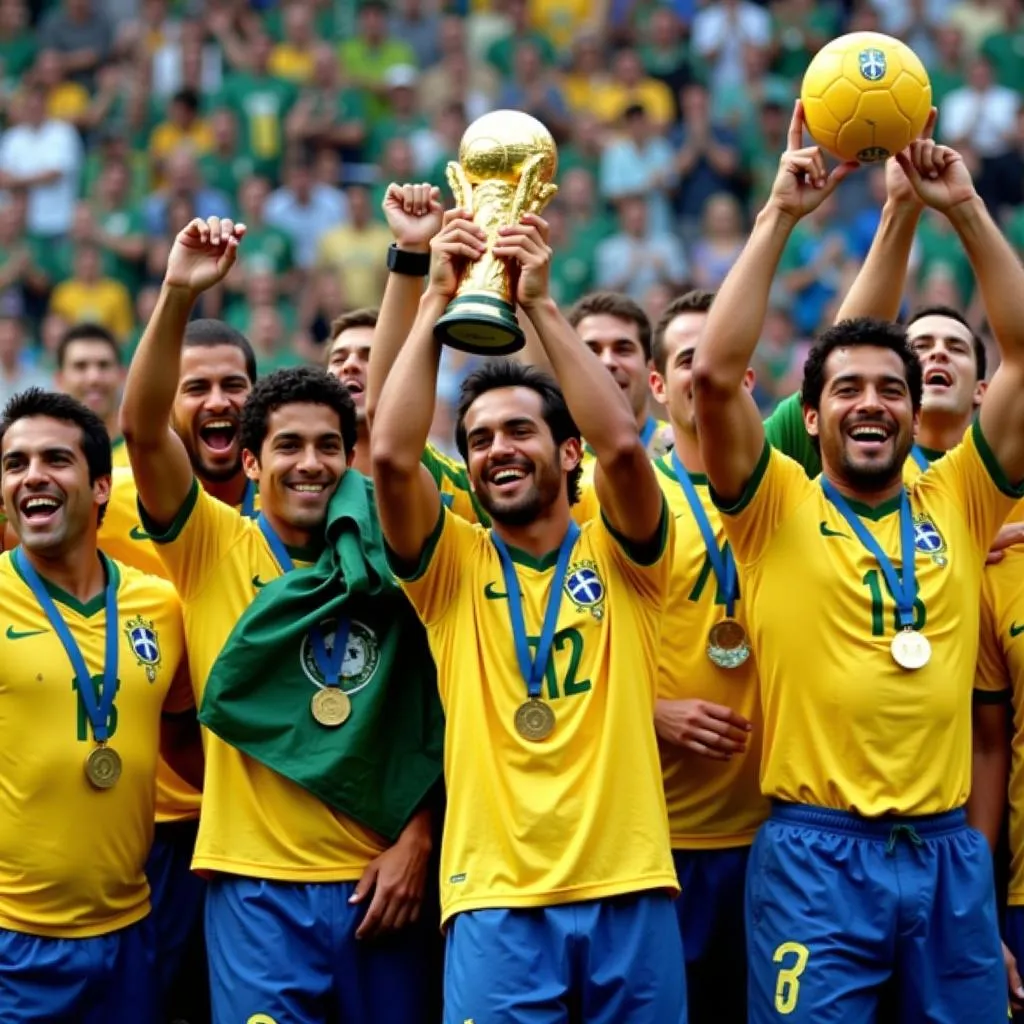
[452,480]
[711,804]
[119,454]
[72,856]
[845,727]
[122,537]
[535,824]
[253,821]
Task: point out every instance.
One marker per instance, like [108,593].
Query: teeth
[33,503]
[218,425]
[309,488]
[504,475]
[868,434]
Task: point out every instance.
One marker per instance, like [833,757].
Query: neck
[113,425]
[230,492]
[78,572]
[293,536]
[361,456]
[942,431]
[540,537]
[871,498]
[685,445]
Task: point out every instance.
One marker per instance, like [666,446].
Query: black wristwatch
[412,264]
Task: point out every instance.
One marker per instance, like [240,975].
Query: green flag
[379,765]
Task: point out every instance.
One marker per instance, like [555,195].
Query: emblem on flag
[145,645]
[359,663]
[872,64]
[929,541]
[586,590]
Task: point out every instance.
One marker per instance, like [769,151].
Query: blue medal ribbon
[722,562]
[903,585]
[650,426]
[98,711]
[919,457]
[329,664]
[248,508]
[533,671]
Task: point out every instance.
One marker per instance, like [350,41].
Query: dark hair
[86,332]
[614,304]
[206,333]
[306,385]
[187,98]
[55,405]
[850,334]
[980,355]
[365,317]
[508,373]
[697,300]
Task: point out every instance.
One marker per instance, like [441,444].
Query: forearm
[878,288]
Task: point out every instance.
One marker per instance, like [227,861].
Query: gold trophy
[507,163]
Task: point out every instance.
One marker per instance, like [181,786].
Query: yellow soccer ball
[865,96]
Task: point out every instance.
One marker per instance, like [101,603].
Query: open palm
[202,253]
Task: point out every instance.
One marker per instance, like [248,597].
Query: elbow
[389,461]
[709,379]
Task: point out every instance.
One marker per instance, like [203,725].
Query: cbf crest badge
[145,645]
[872,64]
[585,588]
[359,662]
[929,541]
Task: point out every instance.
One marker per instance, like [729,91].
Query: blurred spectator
[722,29]
[532,88]
[443,141]
[1004,49]
[404,119]
[321,303]
[267,249]
[947,70]
[585,225]
[397,164]
[88,296]
[43,156]
[65,100]
[520,30]
[641,162]
[664,54]
[572,269]
[18,44]
[356,251]
[292,58]
[635,259]
[457,77]
[110,221]
[587,75]
[760,146]
[190,60]
[18,369]
[81,34]
[942,255]
[736,107]
[585,146]
[184,127]
[182,182]
[411,23]
[367,57]
[779,358]
[23,273]
[267,331]
[631,86]
[800,28]
[976,20]
[224,167]
[304,209]
[722,238]
[560,20]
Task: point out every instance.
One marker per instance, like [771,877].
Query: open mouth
[869,436]
[218,435]
[507,477]
[938,378]
[308,490]
[354,386]
[39,509]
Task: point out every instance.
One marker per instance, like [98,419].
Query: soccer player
[556,872]
[866,640]
[281,861]
[89,369]
[92,671]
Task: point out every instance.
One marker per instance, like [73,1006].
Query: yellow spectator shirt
[845,726]
[72,856]
[253,822]
[580,815]
[105,302]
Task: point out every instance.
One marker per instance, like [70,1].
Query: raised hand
[414,213]
[459,242]
[804,182]
[526,244]
[898,188]
[202,253]
[938,174]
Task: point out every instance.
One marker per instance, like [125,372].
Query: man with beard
[865,632]
[556,873]
[89,370]
[281,861]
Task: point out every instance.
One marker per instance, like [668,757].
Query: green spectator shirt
[226,173]
[1005,52]
[261,104]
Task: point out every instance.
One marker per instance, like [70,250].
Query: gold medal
[103,767]
[535,721]
[911,649]
[728,646]
[331,706]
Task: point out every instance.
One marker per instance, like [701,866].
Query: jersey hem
[711,842]
[168,817]
[991,464]
[644,553]
[399,566]
[170,534]
[749,490]
[208,866]
[83,932]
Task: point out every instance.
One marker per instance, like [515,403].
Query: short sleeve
[992,678]
[648,571]
[786,432]
[776,487]
[452,481]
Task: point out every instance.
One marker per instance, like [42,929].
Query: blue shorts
[107,979]
[838,904]
[710,912]
[603,961]
[177,895]
[286,953]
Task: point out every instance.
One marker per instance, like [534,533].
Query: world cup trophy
[507,163]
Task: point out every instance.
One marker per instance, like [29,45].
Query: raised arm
[201,255]
[729,426]
[942,180]
[627,488]
[407,497]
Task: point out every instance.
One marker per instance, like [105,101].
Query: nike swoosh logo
[16,634]
[494,595]
[138,533]
[258,583]
[1015,630]
[826,532]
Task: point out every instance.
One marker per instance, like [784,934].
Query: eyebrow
[47,452]
[291,435]
[202,378]
[516,421]
[859,378]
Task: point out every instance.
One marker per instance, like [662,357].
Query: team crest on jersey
[929,541]
[872,64]
[145,644]
[362,656]
[585,588]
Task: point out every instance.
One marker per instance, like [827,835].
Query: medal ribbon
[919,457]
[248,509]
[650,425]
[904,590]
[97,710]
[328,664]
[722,562]
[533,671]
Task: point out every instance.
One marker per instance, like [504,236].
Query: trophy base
[482,324]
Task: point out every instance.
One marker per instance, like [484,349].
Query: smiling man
[280,858]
